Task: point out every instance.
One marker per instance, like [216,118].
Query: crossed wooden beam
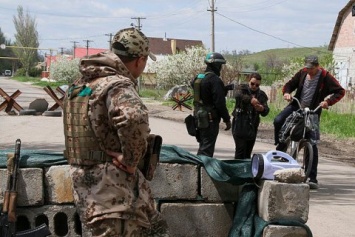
[58,101]
[180,102]
[10,101]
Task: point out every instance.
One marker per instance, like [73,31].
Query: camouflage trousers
[114,227]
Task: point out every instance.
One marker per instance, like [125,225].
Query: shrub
[65,69]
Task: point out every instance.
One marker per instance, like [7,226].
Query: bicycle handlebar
[306,109]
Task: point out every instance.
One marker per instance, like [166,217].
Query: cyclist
[314,86]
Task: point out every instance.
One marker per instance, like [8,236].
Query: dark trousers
[207,138]
[243,148]
[278,122]
[280,119]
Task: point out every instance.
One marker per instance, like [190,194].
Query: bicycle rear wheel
[305,157]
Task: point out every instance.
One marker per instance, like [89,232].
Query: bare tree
[26,39]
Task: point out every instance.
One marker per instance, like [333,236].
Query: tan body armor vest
[81,143]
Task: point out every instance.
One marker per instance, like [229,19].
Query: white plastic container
[264,166]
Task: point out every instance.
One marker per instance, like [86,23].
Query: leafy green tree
[5,64]
[26,36]
[65,69]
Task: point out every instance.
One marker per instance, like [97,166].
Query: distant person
[210,103]
[250,103]
[106,130]
[313,85]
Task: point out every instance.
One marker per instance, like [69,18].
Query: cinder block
[283,201]
[284,231]
[175,181]
[198,219]
[29,186]
[58,185]
[216,191]
[62,220]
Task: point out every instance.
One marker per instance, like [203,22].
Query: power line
[110,40]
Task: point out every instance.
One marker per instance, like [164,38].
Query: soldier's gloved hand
[228,125]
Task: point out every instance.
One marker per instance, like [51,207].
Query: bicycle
[295,134]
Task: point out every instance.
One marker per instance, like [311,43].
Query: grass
[339,125]
[283,53]
[37,81]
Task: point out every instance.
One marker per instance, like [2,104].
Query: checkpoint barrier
[180,100]
[58,101]
[9,101]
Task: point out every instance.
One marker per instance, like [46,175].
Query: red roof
[83,52]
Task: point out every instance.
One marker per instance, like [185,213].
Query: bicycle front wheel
[305,157]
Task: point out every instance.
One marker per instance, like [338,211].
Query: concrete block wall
[192,203]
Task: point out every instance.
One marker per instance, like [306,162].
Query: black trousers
[207,138]
[243,148]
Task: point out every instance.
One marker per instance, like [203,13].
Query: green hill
[283,54]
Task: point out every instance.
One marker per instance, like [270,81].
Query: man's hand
[117,159]
[228,125]
[324,105]
[287,97]
[119,121]
[254,101]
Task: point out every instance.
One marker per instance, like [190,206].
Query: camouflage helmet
[134,42]
[215,58]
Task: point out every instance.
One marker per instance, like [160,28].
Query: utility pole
[74,47]
[212,10]
[87,46]
[110,41]
[139,21]
[61,50]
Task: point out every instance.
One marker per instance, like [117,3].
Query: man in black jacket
[210,103]
[314,86]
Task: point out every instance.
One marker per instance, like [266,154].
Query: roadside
[342,150]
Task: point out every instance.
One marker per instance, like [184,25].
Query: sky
[253,25]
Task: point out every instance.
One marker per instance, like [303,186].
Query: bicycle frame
[302,150]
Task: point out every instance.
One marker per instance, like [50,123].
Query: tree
[179,69]
[5,64]
[26,36]
[65,69]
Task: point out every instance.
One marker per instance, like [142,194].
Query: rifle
[149,163]
[8,214]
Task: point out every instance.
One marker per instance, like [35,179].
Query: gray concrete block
[216,191]
[284,231]
[175,181]
[58,185]
[29,186]
[62,220]
[198,219]
[283,201]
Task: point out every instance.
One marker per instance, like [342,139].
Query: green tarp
[246,222]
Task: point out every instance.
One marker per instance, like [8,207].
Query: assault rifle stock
[8,214]
[148,164]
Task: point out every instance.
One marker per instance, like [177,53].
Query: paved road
[332,208]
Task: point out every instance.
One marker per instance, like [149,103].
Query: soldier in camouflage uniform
[106,129]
